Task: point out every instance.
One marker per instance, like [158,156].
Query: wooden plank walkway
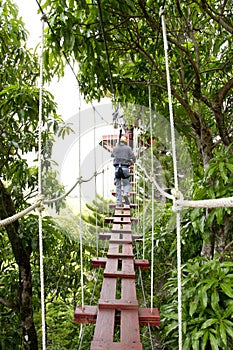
[118,316]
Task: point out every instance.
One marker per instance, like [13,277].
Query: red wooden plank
[108,290]
[127,249]
[122,304]
[86,314]
[108,235]
[149,316]
[122,212]
[127,269]
[122,228]
[143,264]
[111,266]
[128,289]
[95,345]
[136,237]
[104,236]
[130,332]
[98,262]
[120,255]
[109,219]
[127,265]
[121,238]
[121,241]
[121,220]
[132,193]
[113,248]
[138,263]
[116,228]
[132,205]
[105,323]
[134,219]
[119,274]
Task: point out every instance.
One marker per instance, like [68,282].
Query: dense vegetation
[119,49]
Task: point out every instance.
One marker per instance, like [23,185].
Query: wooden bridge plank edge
[89,314]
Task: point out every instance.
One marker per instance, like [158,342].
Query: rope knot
[40,201]
[176,194]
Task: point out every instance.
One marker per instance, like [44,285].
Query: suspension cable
[144,201]
[40,188]
[96,217]
[80,214]
[152,196]
[175,180]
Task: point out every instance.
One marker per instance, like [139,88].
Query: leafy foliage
[200,52]
[207,304]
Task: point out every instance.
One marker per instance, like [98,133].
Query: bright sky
[66,95]
[66,90]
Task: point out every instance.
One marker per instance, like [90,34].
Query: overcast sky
[65,91]
[69,104]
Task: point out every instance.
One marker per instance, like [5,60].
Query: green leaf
[204,297]
[222,330]
[198,334]
[230,167]
[171,327]
[228,312]
[204,340]
[222,168]
[219,215]
[227,289]
[209,323]
[229,329]
[213,342]
[186,345]
[195,344]
[215,302]
[193,307]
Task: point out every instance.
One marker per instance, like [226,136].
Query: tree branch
[217,18]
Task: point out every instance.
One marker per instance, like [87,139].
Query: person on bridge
[123,158]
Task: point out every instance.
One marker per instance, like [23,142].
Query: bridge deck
[118,317]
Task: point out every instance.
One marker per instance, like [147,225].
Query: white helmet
[124,139]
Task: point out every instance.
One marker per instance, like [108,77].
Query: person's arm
[132,156]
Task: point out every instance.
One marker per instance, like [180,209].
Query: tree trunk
[22,257]
[29,333]
[207,246]
[221,236]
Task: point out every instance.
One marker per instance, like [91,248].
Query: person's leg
[118,191]
[126,186]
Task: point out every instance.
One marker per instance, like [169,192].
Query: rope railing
[40,201]
[79,181]
[226,202]
[152,179]
[24,212]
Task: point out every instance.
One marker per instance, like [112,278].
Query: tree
[119,48]
[19,101]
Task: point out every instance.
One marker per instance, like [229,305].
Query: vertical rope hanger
[152,196]
[40,187]
[175,181]
[80,213]
[95,171]
[144,204]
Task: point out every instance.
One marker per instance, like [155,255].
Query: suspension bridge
[118,313]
